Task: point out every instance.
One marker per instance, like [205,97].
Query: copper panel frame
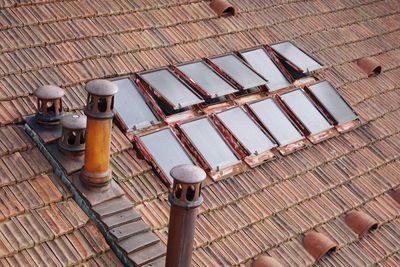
[192,83]
[169,119]
[341,128]
[226,171]
[261,88]
[315,138]
[237,145]
[269,51]
[286,149]
[148,100]
[147,155]
[157,93]
[295,67]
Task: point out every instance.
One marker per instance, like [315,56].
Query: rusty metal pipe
[185,200]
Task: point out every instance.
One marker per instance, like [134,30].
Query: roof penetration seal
[360,222]
[318,245]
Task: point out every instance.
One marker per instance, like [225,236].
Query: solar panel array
[223,137]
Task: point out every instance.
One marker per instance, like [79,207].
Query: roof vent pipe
[223,8]
[49,105]
[318,245]
[370,66]
[72,141]
[99,111]
[360,222]
[185,200]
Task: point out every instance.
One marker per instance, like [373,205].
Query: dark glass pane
[131,107]
[262,63]
[332,102]
[308,114]
[179,95]
[242,74]
[296,56]
[272,117]
[245,130]
[209,143]
[165,150]
[207,79]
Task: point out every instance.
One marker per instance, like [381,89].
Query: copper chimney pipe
[185,200]
[96,172]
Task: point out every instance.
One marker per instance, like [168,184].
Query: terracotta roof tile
[73,213]
[9,205]
[54,219]
[36,227]
[68,43]
[46,189]
[94,238]
[26,195]
[63,250]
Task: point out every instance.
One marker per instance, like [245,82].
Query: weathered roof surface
[40,224]
[68,43]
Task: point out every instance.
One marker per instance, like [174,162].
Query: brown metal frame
[251,160]
[268,50]
[169,119]
[226,171]
[148,100]
[183,76]
[286,149]
[147,155]
[315,138]
[261,88]
[157,93]
[339,127]
[294,66]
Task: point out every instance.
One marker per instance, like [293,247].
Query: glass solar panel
[296,56]
[171,88]
[245,130]
[332,102]
[131,107]
[207,79]
[276,122]
[209,143]
[165,150]
[305,111]
[238,71]
[262,63]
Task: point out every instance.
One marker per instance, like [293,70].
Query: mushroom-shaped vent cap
[75,121]
[360,222]
[369,66]
[101,88]
[396,195]
[266,261]
[318,245]
[223,8]
[49,92]
[188,174]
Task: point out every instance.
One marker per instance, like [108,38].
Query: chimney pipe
[49,105]
[96,172]
[72,141]
[185,199]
